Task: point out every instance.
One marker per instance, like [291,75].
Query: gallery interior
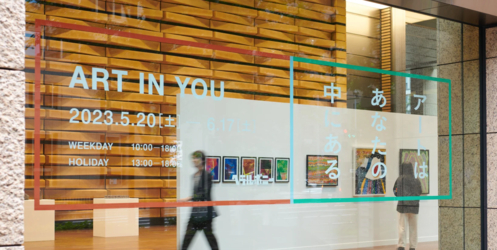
[278,124]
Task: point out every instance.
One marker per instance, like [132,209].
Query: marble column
[458,60]
[12,98]
[491,90]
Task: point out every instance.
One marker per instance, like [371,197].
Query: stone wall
[12,27]
[491,87]
[458,60]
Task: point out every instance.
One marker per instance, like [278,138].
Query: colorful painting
[367,165]
[266,168]
[212,166]
[230,169]
[411,155]
[282,170]
[248,167]
[317,165]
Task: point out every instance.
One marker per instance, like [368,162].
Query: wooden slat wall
[386,55]
[311,28]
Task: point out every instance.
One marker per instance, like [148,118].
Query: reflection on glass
[121,114]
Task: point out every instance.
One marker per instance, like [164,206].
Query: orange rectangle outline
[37,122]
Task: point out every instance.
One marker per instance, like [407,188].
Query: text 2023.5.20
[108,117]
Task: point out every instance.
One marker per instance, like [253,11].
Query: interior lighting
[370,4]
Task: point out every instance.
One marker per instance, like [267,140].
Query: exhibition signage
[369,167]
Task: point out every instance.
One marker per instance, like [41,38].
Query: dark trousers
[193,227]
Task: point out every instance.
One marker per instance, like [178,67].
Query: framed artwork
[230,168]
[265,167]
[411,155]
[248,167]
[282,170]
[213,166]
[366,165]
[316,166]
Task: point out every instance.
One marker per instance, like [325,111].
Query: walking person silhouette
[201,217]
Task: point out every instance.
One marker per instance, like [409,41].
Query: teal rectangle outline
[373,70]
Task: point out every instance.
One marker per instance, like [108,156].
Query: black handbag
[203,213]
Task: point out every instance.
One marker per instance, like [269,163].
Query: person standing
[201,217]
[407,185]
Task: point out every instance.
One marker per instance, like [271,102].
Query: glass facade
[317,124]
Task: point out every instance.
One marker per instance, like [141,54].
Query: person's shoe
[401,248]
[412,249]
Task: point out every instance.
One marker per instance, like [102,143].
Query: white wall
[301,226]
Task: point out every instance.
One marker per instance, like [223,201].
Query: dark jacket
[407,185]
[202,192]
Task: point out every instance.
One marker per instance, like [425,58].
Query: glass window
[317,124]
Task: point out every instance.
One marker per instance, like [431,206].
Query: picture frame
[316,166]
[282,170]
[364,183]
[411,155]
[212,165]
[266,167]
[230,168]
[248,166]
